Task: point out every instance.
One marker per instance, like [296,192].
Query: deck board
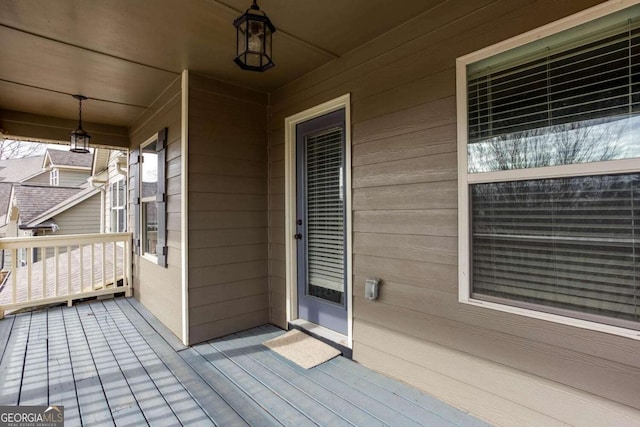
[112,363]
[248,356]
[253,388]
[297,376]
[207,397]
[378,413]
[246,408]
[426,403]
[62,387]
[94,408]
[35,363]
[5,331]
[153,404]
[13,360]
[176,398]
[125,409]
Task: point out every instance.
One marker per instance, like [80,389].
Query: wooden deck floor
[112,363]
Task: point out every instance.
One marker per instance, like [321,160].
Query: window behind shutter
[161,197]
[134,177]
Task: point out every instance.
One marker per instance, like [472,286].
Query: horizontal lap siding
[70,178]
[160,289]
[404,193]
[228,283]
[83,218]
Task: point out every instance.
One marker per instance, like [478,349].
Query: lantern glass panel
[256,37]
[80,143]
[242,37]
[267,39]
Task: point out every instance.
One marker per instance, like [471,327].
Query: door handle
[297,236]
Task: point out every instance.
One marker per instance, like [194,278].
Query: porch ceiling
[123,53]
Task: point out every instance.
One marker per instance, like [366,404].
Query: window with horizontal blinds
[564,243]
[579,103]
[549,224]
[325,210]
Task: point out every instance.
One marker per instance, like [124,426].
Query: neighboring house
[67,169]
[37,210]
[479,157]
[54,198]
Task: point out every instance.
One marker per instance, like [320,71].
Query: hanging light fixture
[253,40]
[79,137]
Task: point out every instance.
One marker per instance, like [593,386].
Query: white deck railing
[66,268]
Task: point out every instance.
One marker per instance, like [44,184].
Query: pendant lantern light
[253,40]
[79,137]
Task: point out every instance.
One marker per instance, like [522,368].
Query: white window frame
[143,202]
[465,179]
[54,177]
[115,207]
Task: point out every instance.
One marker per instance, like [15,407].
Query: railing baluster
[56,269]
[29,256]
[91,269]
[81,281]
[104,266]
[14,279]
[68,270]
[115,265]
[44,271]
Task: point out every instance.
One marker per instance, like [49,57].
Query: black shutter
[161,197]
[134,178]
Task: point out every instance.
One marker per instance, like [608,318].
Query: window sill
[150,258]
[563,320]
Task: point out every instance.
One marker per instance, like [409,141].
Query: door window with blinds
[325,214]
[552,174]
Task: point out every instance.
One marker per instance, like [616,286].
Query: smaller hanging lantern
[79,137]
[253,34]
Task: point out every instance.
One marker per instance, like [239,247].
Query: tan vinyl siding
[228,286]
[404,192]
[160,289]
[70,178]
[83,218]
[42,178]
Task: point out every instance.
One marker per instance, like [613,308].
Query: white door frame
[343,101]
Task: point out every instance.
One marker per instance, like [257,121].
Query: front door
[320,210]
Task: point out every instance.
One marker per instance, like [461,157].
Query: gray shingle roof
[5,196]
[15,170]
[66,203]
[32,200]
[68,158]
